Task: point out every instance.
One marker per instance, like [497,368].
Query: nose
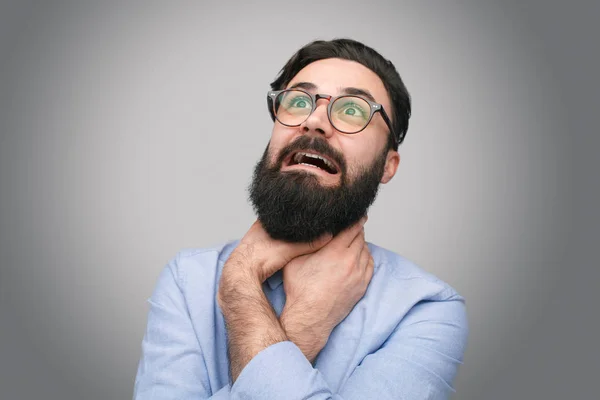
[318,122]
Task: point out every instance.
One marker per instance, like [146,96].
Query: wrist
[236,286]
[254,260]
[309,338]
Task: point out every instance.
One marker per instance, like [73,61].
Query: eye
[350,109]
[298,101]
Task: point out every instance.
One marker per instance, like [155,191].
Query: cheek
[272,152]
[281,136]
[276,144]
[360,151]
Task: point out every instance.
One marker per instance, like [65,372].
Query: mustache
[316,144]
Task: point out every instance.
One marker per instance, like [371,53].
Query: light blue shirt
[403,340]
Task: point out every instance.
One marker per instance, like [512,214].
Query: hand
[258,256]
[322,288]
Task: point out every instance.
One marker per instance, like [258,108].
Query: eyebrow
[304,85]
[359,92]
[347,90]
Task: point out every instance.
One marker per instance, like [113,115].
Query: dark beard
[293,206]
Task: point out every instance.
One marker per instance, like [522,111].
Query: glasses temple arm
[389,124]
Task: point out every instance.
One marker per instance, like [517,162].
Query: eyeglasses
[347,113]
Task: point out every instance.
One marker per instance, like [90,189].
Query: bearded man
[302,307]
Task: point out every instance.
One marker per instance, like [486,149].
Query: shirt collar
[275,280]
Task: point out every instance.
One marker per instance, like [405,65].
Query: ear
[391,166]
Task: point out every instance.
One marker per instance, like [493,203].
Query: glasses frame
[373,108]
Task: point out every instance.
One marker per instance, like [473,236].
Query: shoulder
[207,254]
[406,295]
[195,265]
[397,272]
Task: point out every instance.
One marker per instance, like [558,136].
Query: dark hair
[352,50]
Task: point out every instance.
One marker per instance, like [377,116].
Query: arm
[252,325]
[172,363]
[418,361]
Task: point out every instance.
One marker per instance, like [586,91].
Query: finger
[363,257]
[345,238]
[370,270]
[320,242]
[294,250]
[357,244]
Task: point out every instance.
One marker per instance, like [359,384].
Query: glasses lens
[350,114]
[292,107]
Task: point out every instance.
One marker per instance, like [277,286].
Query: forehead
[332,75]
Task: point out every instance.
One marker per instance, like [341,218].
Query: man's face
[298,198]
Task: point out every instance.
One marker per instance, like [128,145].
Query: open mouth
[313,160]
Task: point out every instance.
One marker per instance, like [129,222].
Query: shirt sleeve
[172,363]
[418,361]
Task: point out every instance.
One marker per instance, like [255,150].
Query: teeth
[299,156]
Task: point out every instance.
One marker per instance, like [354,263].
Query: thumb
[289,251]
[319,242]
[294,250]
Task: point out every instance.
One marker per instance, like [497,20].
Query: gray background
[115,153]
